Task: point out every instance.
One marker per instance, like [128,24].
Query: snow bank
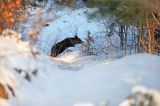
[39,80]
[142,96]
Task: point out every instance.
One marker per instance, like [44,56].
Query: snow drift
[72,79]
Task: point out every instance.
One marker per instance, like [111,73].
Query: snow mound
[72,79]
[142,96]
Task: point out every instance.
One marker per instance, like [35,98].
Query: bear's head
[76,40]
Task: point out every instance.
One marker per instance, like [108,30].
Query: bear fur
[59,47]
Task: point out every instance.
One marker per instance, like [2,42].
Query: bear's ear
[76,36]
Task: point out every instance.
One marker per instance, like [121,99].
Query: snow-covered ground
[73,79]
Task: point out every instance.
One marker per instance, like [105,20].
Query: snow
[3,103]
[72,79]
[84,104]
[143,94]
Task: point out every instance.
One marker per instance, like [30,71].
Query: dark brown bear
[59,47]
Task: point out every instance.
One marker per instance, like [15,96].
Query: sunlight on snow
[69,58]
[84,104]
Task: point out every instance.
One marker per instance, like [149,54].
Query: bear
[59,47]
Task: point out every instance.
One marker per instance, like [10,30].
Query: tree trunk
[121,35]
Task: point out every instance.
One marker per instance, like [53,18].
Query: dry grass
[11,14]
[148,41]
[3,92]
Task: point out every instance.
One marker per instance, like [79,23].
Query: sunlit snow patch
[69,57]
